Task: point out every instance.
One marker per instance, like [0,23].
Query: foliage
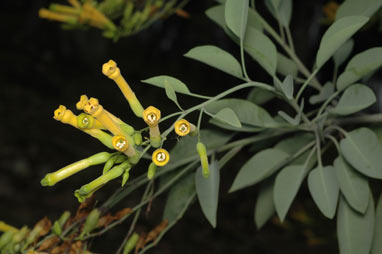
[325,133]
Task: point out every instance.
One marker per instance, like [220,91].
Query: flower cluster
[119,136]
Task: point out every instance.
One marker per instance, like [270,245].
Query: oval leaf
[286,66]
[259,167]
[207,190]
[377,243]
[171,93]
[363,151]
[287,87]
[236,12]
[246,112]
[287,184]
[226,115]
[355,98]
[355,7]
[359,66]
[261,49]
[336,35]
[343,52]
[216,58]
[353,185]
[264,208]
[260,96]
[161,81]
[324,189]
[178,197]
[355,230]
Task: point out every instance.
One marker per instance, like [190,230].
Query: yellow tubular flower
[64,9]
[160,157]
[93,108]
[75,3]
[111,70]
[151,116]
[66,116]
[46,14]
[202,151]
[4,227]
[122,144]
[183,127]
[97,16]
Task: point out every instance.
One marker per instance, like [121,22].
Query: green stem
[318,145]
[290,38]
[302,88]
[325,104]
[288,50]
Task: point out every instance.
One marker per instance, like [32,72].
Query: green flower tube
[202,151]
[90,223]
[6,238]
[125,176]
[130,244]
[88,189]
[151,171]
[53,178]
[127,129]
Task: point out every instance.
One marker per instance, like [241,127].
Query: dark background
[43,66]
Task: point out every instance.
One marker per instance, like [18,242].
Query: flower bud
[151,171]
[130,244]
[202,151]
[90,223]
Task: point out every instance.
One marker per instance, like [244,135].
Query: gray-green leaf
[287,87]
[207,190]
[226,115]
[324,189]
[161,81]
[217,58]
[377,243]
[260,96]
[236,12]
[355,230]
[247,112]
[353,185]
[355,7]
[363,151]
[178,197]
[287,183]
[326,91]
[286,66]
[355,98]
[359,66]
[171,93]
[283,13]
[259,167]
[296,120]
[265,207]
[343,52]
[336,35]
[261,49]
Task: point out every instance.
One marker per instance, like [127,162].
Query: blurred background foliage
[43,66]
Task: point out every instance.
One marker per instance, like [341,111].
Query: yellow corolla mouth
[59,112]
[160,157]
[151,116]
[120,143]
[182,127]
